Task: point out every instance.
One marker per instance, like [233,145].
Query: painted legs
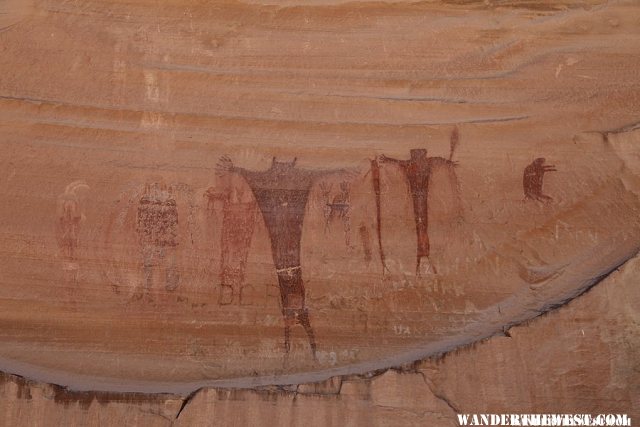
[293,307]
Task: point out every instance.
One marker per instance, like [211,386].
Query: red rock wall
[317,213]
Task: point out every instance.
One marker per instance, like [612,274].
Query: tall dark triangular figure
[282,192]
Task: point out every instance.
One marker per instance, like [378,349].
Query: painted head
[283,166]
[418,154]
[540,161]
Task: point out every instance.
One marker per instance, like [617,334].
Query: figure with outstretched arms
[417,170]
[282,192]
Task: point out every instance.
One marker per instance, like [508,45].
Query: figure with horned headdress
[282,192]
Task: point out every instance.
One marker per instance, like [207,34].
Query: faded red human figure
[238,223]
[282,192]
[532,180]
[417,171]
[157,228]
[70,216]
[338,208]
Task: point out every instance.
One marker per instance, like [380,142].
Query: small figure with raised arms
[533,177]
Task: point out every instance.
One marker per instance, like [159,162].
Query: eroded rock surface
[284,201]
[581,358]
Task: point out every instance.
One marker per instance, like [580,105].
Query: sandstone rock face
[310,206]
[579,358]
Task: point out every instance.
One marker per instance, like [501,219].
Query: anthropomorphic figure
[533,177]
[338,208]
[417,171]
[157,228]
[282,192]
[238,223]
[70,216]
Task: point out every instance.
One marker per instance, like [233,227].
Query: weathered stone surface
[579,358]
[285,200]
